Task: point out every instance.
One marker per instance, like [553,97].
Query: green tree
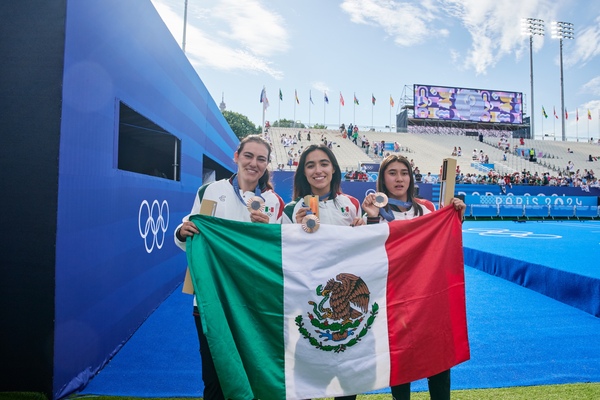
[319,126]
[240,124]
[288,123]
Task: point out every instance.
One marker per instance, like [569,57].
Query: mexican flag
[344,310]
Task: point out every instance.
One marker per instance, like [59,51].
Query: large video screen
[460,104]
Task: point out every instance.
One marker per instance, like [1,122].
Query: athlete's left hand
[459,205]
[358,221]
[259,216]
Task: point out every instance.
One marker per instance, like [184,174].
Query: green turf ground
[579,391]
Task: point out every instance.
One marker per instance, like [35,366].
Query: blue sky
[382,48]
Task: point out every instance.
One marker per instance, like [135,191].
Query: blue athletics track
[532,308]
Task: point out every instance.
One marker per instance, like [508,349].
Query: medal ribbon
[236,189]
[389,215]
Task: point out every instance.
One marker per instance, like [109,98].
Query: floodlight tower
[562,30]
[531,27]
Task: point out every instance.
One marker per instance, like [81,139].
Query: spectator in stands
[475,156]
[381,148]
[569,150]
[459,152]
[418,175]
[396,147]
[429,178]
[454,151]
[367,145]
[308,136]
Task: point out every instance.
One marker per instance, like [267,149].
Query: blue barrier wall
[115,261]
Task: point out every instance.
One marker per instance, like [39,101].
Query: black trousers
[439,388]
[212,386]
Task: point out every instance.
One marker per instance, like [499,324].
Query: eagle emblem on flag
[339,316]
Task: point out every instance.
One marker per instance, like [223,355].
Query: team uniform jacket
[229,205]
[340,211]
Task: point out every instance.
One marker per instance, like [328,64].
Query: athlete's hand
[259,216]
[301,214]
[369,207]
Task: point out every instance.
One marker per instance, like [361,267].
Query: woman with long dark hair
[397,182]
[319,174]
[231,197]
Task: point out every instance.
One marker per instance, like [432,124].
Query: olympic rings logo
[155,224]
[509,233]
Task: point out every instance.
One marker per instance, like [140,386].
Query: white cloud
[226,36]
[587,45]
[495,27]
[592,86]
[407,23]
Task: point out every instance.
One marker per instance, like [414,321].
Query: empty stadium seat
[483,210]
[562,211]
[505,210]
[586,211]
[537,211]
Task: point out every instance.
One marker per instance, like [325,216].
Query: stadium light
[562,30]
[532,27]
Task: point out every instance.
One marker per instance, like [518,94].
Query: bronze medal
[381,200]
[310,223]
[255,203]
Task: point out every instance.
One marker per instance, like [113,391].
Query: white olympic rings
[152,225]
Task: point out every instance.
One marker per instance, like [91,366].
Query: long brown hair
[264,183]
[301,185]
[410,193]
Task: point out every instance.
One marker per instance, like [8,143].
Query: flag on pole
[577,114]
[554,109]
[280,95]
[263,98]
[341,98]
[310,96]
[391,101]
[566,114]
[296,94]
[355,99]
[326,98]
[284,320]
[589,114]
[544,112]
[373,99]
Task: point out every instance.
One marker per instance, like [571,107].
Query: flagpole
[354,109]
[295,101]
[372,108]
[542,130]
[263,96]
[279,110]
[340,110]
[309,101]
[390,114]
[577,125]
[324,104]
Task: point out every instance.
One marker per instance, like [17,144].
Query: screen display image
[461,104]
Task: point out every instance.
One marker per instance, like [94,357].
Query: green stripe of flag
[256,334]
